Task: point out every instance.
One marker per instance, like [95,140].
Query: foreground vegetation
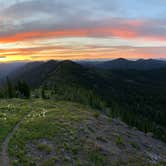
[53,134]
[57,132]
[11,112]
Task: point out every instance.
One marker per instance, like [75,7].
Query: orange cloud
[22,36]
[121,32]
[124,33]
[86,52]
[127,29]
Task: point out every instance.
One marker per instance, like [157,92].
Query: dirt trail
[4,155]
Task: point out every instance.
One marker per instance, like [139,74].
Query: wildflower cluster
[3,116]
[10,107]
[33,115]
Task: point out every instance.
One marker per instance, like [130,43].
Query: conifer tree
[23,89]
[43,95]
[10,90]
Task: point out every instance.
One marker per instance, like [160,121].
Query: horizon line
[79,60]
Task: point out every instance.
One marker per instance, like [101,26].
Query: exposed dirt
[125,142]
[117,141]
[4,155]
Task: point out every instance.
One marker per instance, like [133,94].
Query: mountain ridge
[133,95]
[122,63]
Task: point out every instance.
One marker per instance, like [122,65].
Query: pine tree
[23,89]
[43,95]
[10,90]
[26,90]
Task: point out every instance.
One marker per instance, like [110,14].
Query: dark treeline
[18,90]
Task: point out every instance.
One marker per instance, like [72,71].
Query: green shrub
[96,114]
[120,141]
[50,162]
[44,147]
[135,145]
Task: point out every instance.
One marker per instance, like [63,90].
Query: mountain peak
[120,59]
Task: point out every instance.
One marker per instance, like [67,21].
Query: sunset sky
[82,29]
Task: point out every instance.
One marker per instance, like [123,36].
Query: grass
[50,162]
[120,141]
[54,133]
[96,114]
[11,112]
[44,147]
[57,123]
[135,145]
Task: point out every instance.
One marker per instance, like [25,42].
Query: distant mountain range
[7,68]
[121,63]
[38,73]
